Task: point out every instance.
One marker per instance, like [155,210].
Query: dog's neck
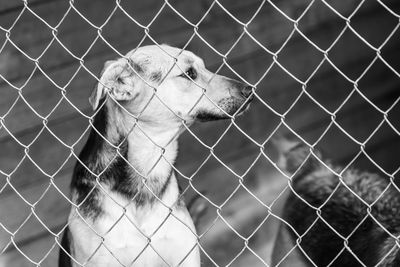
[152,146]
[152,150]
[141,171]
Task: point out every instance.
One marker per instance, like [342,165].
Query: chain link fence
[272,45]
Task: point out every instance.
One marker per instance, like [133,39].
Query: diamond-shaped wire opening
[12,61]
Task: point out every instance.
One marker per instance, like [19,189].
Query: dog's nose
[246,91]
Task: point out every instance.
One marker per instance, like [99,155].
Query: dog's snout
[246,91]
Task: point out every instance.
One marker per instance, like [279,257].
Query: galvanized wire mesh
[275,63]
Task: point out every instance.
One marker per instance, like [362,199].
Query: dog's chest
[131,237]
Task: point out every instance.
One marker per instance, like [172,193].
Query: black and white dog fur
[319,245]
[120,220]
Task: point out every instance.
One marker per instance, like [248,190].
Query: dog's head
[163,84]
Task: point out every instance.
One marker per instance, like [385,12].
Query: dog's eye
[191,73]
[120,80]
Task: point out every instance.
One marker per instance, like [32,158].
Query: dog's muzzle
[247,92]
[240,97]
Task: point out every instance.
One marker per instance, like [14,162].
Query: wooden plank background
[57,69]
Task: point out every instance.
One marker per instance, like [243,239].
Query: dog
[345,234]
[128,207]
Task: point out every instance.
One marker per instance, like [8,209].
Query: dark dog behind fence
[30,173]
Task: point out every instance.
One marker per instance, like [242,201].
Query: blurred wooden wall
[52,71]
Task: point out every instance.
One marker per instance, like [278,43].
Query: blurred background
[300,83]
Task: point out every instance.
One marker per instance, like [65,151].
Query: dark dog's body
[342,213]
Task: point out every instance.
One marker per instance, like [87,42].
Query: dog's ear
[116,78]
[98,93]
